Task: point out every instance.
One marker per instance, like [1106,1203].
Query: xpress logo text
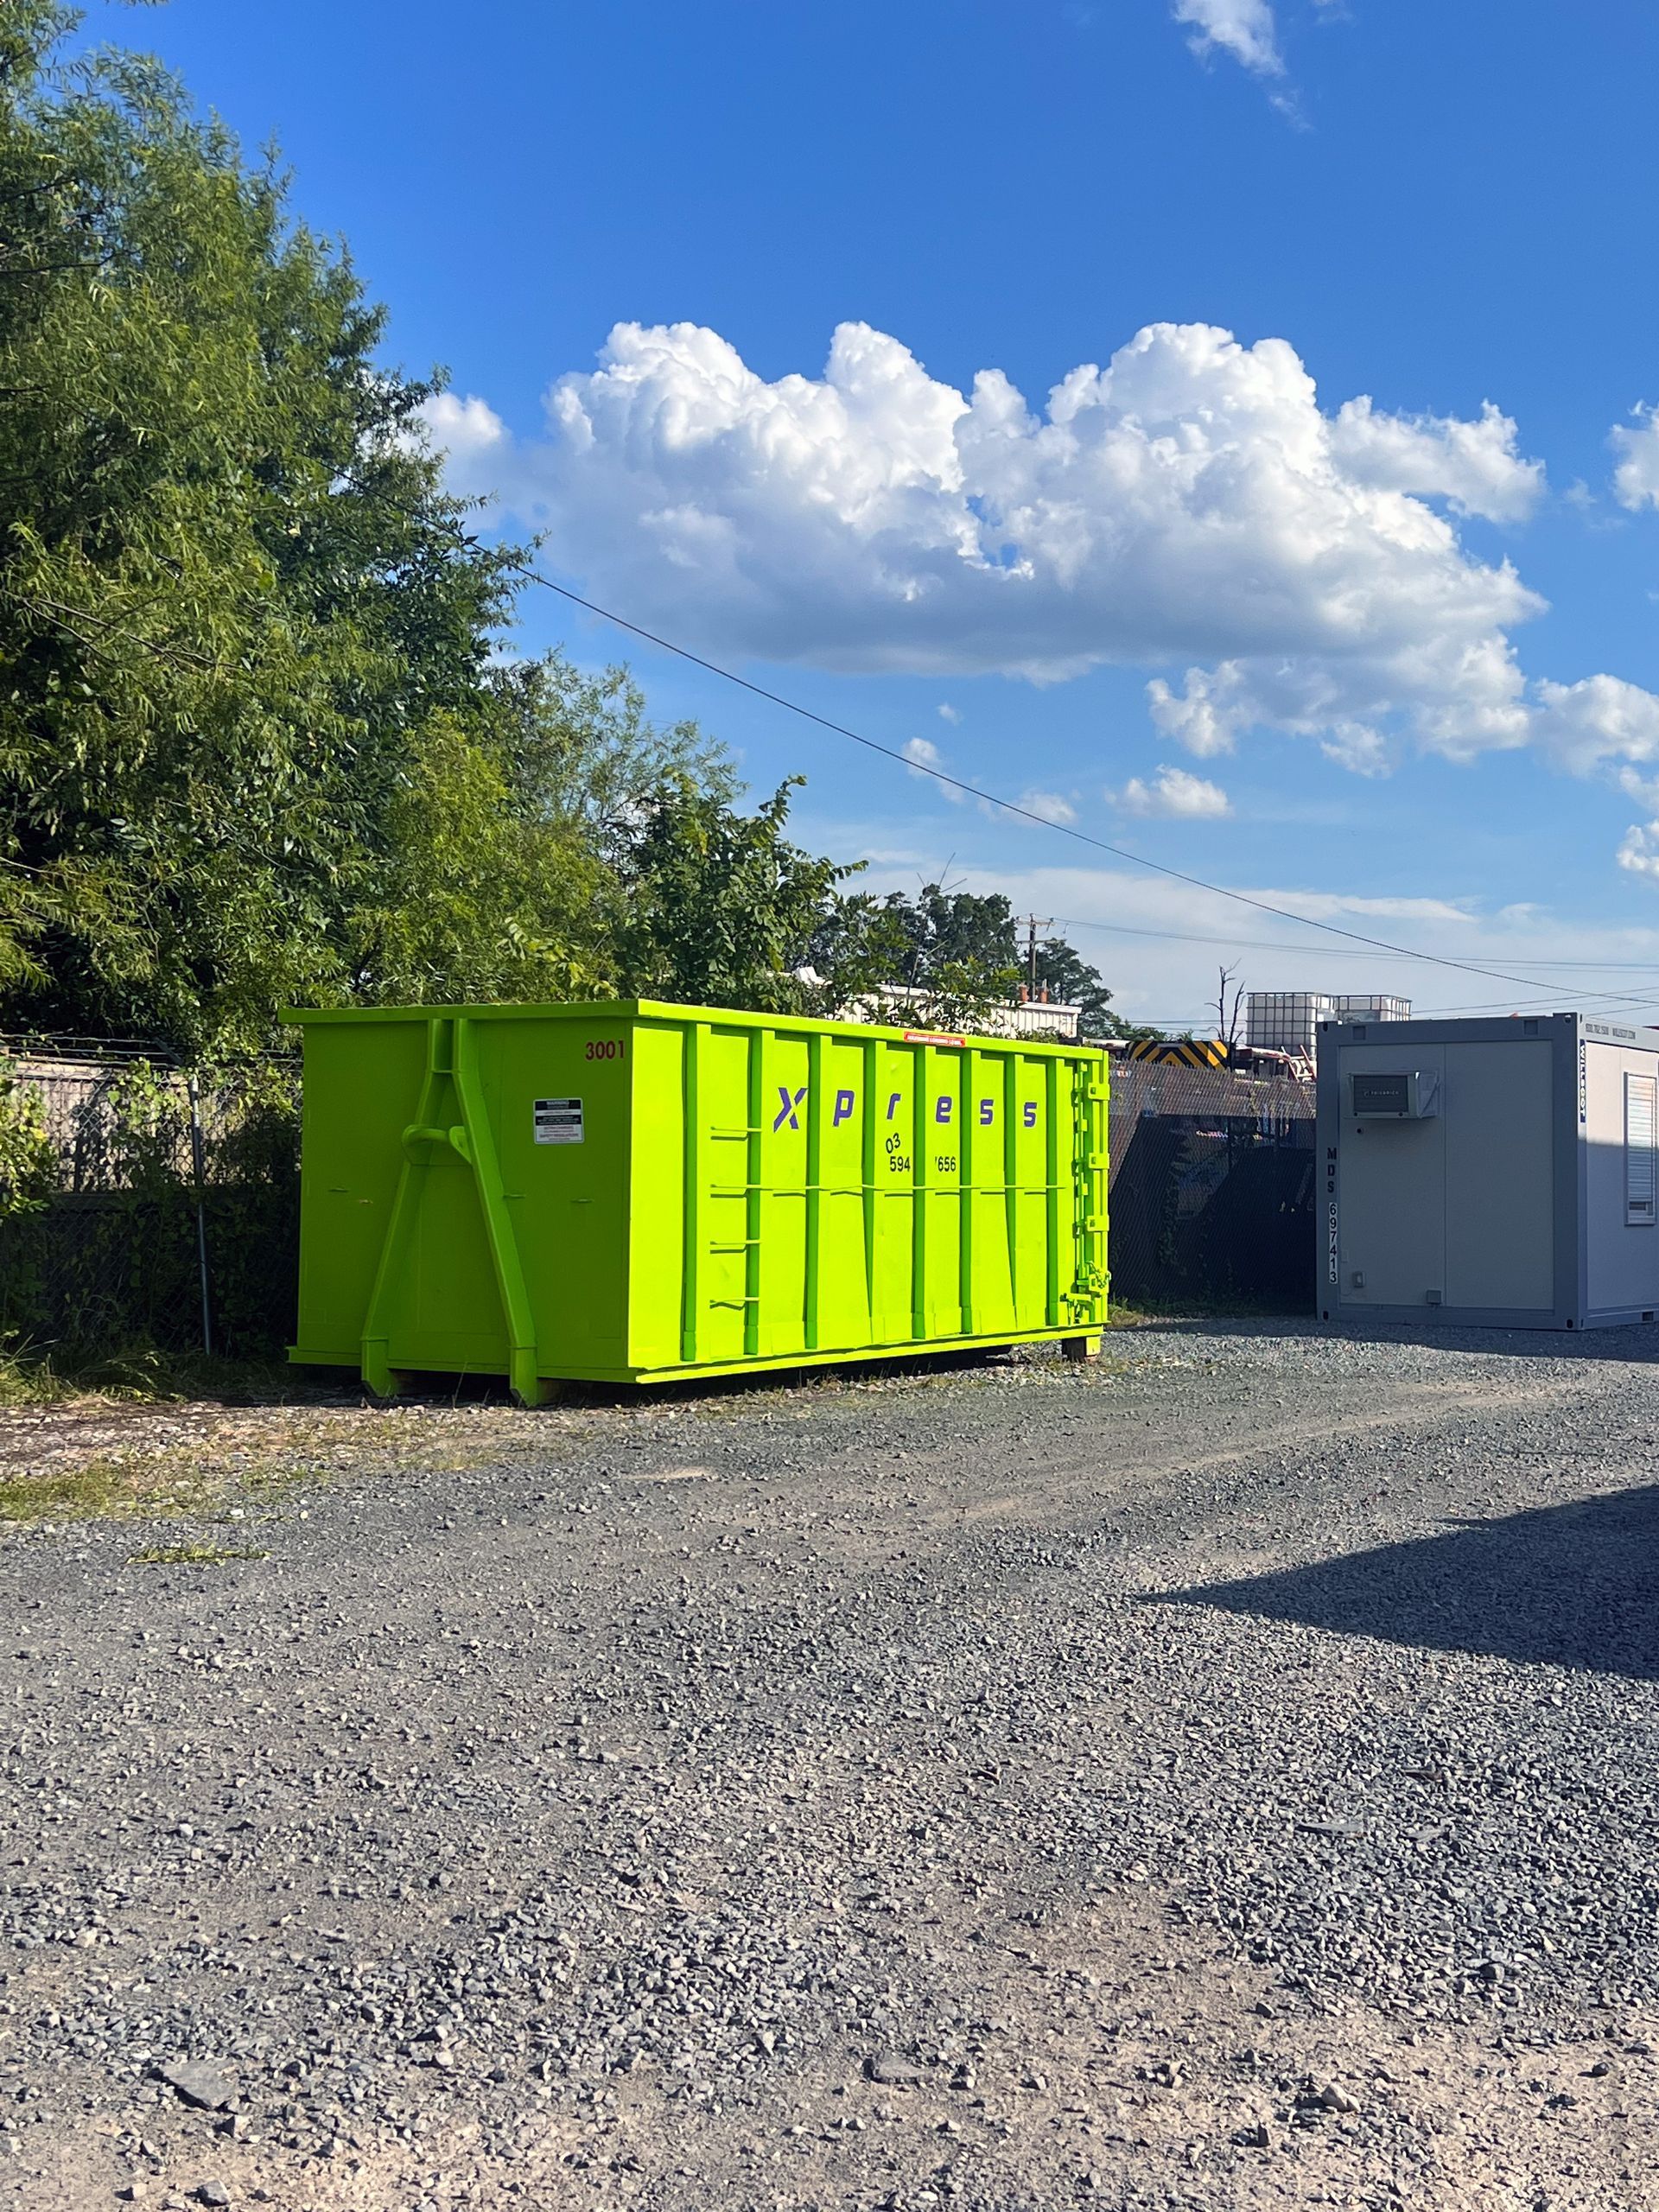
[790,1104]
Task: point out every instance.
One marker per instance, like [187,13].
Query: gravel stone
[200,2085]
[892,2071]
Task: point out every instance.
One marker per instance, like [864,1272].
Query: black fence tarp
[1211,1187]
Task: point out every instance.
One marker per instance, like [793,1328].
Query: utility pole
[1033,923]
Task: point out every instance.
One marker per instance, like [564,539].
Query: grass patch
[224,1473]
[140,1375]
[193,1555]
[106,1490]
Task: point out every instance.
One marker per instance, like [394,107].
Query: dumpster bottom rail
[1069,1336]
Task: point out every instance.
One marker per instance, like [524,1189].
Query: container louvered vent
[1640,1134]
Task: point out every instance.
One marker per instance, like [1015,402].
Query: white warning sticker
[558,1121]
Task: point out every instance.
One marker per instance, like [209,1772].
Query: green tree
[957,949]
[511,844]
[240,619]
[718,907]
[962,950]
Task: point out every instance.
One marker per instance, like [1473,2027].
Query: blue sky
[1390,550]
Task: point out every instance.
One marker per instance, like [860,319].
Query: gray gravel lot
[1223,1777]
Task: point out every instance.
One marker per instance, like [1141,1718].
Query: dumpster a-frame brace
[451,1089]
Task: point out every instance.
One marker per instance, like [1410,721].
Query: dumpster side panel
[892,1203]
[660,1228]
[840,1222]
[792,1119]
[351,1120]
[731,1105]
[803,1192]
[1033,1262]
[558,1098]
[938,1191]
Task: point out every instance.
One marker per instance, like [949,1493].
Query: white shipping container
[1492,1174]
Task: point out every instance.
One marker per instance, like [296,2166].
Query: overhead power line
[1024,813]
[1279,944]
[1373,944]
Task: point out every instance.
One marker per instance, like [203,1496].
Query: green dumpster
[633,1192]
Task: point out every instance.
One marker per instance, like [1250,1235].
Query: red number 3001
[604,1048]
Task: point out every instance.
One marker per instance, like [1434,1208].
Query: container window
[1640,1134]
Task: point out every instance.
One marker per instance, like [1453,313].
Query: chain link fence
[1212,1176]
[144,1206]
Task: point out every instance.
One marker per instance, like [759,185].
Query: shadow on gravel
[1569,1586]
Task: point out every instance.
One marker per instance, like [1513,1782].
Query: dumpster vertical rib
[814,1182]
[753,1152]
[1101,1138]
[919,1187]
[965,1187]
[696,1183]
[867,1171]
[1011,1174]
[1051,1154]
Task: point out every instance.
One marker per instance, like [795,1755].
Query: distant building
[1288,1021]
[908,1006]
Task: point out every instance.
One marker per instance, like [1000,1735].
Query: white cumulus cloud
[1600,722]
[1473,466]
[1177,793]
[1190,507]
[1047,806]
[1243,29]
[1635,480]
[922,755]
[465,429]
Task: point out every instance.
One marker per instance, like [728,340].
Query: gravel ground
[1222,1777]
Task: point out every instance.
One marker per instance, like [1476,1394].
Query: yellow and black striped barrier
[1180,1051]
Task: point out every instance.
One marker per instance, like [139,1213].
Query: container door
[1500,1178]
[1392,1191]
